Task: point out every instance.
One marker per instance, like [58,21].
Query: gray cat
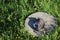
[40,23]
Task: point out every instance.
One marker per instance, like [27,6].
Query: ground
[14,12]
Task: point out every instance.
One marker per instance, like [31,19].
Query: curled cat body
[40,23]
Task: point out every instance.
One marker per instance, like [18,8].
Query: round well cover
[40,23]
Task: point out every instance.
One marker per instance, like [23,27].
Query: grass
[14,12]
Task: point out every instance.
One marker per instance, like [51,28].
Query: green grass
[14,12]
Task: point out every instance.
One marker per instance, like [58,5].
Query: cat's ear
[37,18]
[31,18]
